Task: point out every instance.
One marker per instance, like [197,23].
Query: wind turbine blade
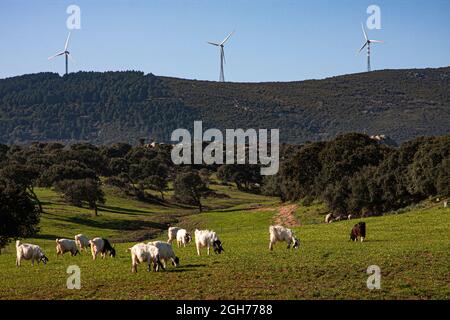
[365,44]
[67,43]
[377,41]
[364,31]
[226,39]
[54,56]
[214,44]
[71,58]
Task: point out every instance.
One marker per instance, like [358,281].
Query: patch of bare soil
[286,216]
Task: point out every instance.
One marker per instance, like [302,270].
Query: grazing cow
[99,245]
[31,252]
[183,237]
[172,233]
[359,230]
[66,245]
[166,253]
[352,216]
[142,252]
[82,242]
[329,218]
[206,238]
[280,233]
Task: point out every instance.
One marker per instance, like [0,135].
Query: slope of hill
[124,106]
[411,250]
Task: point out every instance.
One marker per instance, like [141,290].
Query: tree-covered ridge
[125,106]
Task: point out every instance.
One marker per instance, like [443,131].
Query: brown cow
[359,230]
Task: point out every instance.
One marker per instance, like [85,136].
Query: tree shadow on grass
[184,268]
[121,210]
[118,224]
[45,236]
[190,266]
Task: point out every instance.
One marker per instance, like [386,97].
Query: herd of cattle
[157,253]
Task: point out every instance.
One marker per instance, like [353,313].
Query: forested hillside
[124,106]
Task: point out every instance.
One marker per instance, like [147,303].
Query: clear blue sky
[275,40]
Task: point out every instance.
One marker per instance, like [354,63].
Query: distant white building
[384,139]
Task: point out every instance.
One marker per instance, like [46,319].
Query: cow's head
[188,238]
[43,258]
[176,262]
[218,248]
[295,243]
[112,252]
[362,229]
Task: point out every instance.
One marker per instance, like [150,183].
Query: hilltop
[124,106]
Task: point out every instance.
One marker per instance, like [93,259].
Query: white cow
[207,238]
[66,245]
[329,218]
[31,252]
[280,233]
[142,252]
[183,237]
[100,245]
[82,242]
[172,233]
[166,253]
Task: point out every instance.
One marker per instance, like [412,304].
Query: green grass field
[412,250]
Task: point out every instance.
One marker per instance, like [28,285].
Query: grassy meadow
[412,249]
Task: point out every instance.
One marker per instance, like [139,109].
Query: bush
[19,217]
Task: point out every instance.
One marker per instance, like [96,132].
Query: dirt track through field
[286,217]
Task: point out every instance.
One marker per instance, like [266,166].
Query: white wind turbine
[222,55]
[65,53]
[367,43]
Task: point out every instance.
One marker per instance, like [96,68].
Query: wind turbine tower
[367,44]
[66,53]
[222,55]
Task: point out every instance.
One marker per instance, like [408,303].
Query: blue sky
[275,40]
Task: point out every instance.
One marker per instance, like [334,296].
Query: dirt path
[286,217]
